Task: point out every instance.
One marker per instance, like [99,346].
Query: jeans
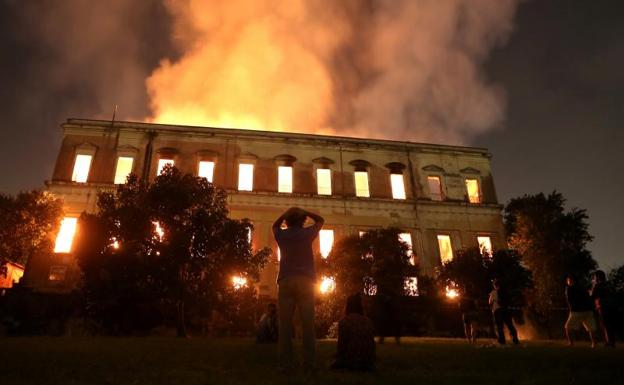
[296,292]
[503,317]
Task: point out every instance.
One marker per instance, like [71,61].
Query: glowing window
[124,168]
[239,282]
[474,195]
[65,236]
[245,177]
[485,245]
[57,273]
[361,184]
[446,251]
[284,179]
[206,170]
[398,186]
[162,163]
[361,233]
[323,181]
[435,188]
[81,168]
[326,240]
[410,286]
[407,238]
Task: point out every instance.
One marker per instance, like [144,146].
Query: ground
[203,361]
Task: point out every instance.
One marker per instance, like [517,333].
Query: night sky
[561,69]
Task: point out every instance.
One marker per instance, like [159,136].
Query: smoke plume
[398,69]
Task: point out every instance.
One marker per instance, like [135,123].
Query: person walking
[604,305]
[296,282]
[581,310]
[502,317]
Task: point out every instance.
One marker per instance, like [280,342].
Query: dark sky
[562,71]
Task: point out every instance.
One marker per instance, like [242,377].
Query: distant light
[361,184]
[410,286]
[238,282]
[485,245]
[65,236]
[206,170]
[124,168]
[445,247]
[160,233]
[407,238]
[115,244]
[245,177]
[472,187]
[162,163]
[451,292]
[327,285]
[285,179]
[323,181]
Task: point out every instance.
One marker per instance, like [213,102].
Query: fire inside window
[206,170]
[474,195]
[398,186]
[245,177]
[435,188]
[162,163]
[407,238]
[285,179]
[65,236]
[326,241]
[323,181]
[81,168]
[361,184]
[446,250]
[485,245]
[124,168]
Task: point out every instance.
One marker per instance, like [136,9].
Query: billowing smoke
[400,69]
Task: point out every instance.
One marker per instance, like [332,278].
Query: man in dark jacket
[581,310]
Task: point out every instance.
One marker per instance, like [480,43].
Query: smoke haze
[399,69]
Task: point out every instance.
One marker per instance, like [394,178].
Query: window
[435,188]
[485,245]
[398,186]
[124,168]
[162,163]
[206,170]
[446,251]
[245,177]
[326,240]
[361,184]
[323,181]
[407,238]
[285,179]
[65,236]
[81,168]
[57,273]
[474,195]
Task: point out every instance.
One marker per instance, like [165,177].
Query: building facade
[441,197]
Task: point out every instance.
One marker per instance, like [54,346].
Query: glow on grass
[65,236]
[327,285]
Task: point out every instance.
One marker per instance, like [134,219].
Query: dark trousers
[296,292]
[502,317]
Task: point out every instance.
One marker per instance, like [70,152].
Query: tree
[552,243]
[472,272]
[170,240]
[28,222]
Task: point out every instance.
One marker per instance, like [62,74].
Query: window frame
[431,195]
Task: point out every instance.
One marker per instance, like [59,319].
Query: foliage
[472,272]
[28,221]
[192,261]
[552,242]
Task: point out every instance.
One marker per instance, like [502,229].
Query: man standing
[296,282]
[502,317]
[581,313]
[604,304]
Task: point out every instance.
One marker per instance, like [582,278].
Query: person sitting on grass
[581,310]
[356,338]
[267,327]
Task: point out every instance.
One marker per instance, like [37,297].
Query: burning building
[442,197]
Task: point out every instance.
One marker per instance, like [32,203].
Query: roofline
[276,134]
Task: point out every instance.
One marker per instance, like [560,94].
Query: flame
[451,292]
[239,282]
[327,285]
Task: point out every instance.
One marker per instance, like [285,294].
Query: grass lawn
[162,360]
